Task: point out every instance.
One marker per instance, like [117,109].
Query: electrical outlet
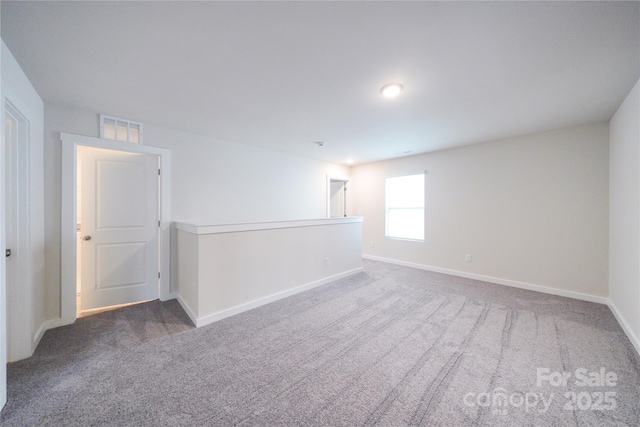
[326,262]
[467,258]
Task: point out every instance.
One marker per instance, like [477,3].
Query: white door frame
[20,326]
[3,298]
[68,224]
[329,180]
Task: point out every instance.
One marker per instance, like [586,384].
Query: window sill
[404,239]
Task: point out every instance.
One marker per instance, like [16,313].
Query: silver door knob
[86,238]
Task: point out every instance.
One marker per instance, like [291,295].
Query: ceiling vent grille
[120,129]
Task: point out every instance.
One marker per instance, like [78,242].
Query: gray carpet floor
[392,346]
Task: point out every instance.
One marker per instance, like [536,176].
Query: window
[405,207]
[120,130]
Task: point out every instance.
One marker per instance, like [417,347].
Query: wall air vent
[120,129]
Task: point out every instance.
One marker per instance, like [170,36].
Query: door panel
[120,264]
[337,198]
[118,209]
[20,289]
[119,227]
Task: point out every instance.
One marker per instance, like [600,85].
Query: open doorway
[119,248]
[117,212]
[336,197]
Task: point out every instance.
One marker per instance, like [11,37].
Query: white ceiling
[285,74]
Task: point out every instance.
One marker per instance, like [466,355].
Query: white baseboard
[187,309]
[38,336]
[211,318]
[625,326]
[45,326]
[552,291]
[495,280]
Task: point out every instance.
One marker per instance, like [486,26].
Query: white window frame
[117,121]
[387,207]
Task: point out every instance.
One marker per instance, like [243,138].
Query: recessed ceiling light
[391,90]
[319,143]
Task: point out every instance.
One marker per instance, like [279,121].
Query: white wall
[530,210]
[223,272]
[624,221]
[221,182]
[29,294]
[213,182]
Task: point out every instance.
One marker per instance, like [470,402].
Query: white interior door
[11,130]
[337,197]
[3,298]
[18,229]
[119,228]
